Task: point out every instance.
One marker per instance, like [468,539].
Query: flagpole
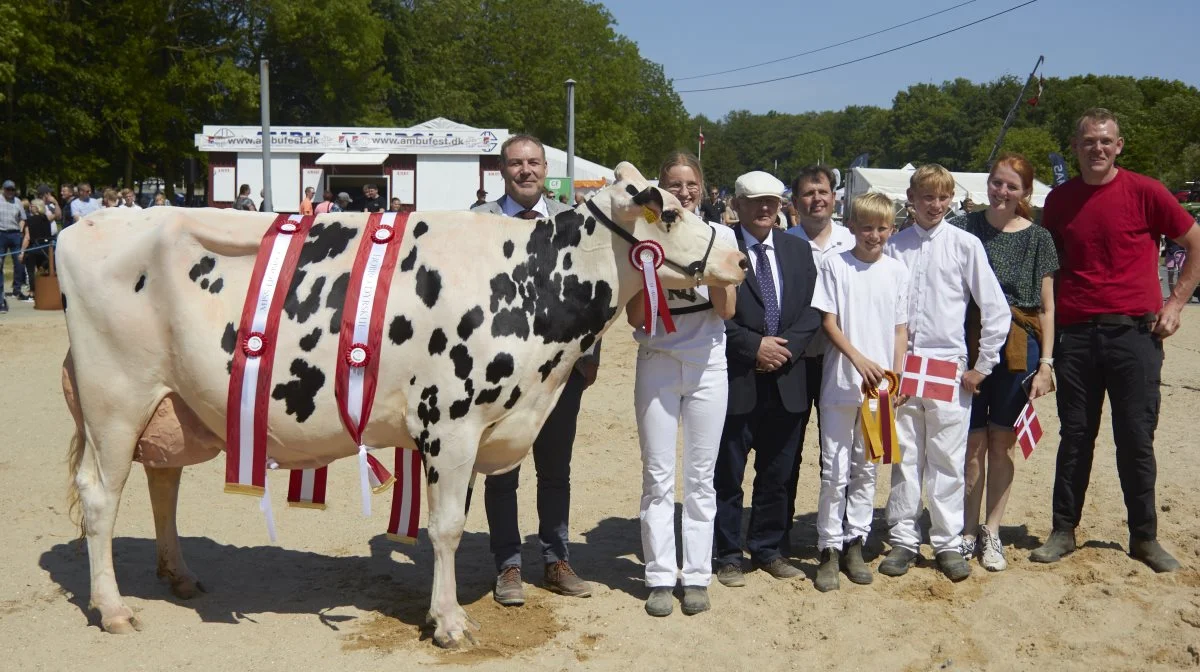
[1012,113]
[700,145]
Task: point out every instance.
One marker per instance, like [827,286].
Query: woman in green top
[1023,257]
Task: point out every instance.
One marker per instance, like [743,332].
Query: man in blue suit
[768,397]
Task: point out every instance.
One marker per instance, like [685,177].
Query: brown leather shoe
[560,578]
[509,590]
[780,569]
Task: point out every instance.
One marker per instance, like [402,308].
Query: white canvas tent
[893,183]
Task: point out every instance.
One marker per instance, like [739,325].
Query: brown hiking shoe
[509,590]
[560,578]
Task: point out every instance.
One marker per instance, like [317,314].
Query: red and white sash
[253,359]
[405,520]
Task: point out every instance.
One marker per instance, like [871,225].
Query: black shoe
[953,565]
[3,306]
[857,569]
[1153,554]
[1060,543]
[731,575]
[827,573]
[897,562]
[660,603]
[695,600]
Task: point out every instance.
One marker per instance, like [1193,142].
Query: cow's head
[694,254]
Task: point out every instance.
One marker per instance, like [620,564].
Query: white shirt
[699,337]
[870,300]
[769,243]
[511,208]
[840,240]
[948,267]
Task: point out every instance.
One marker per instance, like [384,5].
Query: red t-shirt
[1107,238]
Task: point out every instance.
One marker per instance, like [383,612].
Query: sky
[1159,38]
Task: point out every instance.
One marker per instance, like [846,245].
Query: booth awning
[352,158]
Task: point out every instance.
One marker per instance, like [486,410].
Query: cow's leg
[107,458]
[447,516]
[164,495]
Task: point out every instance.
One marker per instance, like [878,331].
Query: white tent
[893,183]
[585,171]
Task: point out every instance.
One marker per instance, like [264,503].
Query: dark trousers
[775,435]
[552,460]
[10,243]
[813,375]
[1126,363]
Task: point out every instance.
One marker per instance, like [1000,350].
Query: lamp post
[265,104]
[571,134]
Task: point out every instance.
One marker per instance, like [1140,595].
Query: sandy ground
[335,594]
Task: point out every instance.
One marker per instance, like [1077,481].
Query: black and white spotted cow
[485,318]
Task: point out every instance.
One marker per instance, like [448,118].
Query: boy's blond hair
[872,208]
[934,177]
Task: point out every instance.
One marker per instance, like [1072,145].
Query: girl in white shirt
[681,376]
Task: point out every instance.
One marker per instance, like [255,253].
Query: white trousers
[933,441]
[667,391]
[846,504]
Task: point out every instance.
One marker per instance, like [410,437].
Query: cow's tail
[78,443]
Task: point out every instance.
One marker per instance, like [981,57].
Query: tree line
[956,124]
[113,92]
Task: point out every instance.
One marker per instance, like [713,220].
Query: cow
[485,318]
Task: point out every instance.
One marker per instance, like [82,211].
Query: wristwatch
[1049,361]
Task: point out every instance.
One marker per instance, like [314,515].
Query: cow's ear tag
[650,215]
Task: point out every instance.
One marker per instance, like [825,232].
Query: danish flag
[929,378]
[1028,429]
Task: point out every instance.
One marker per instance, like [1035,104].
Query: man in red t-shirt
[1107,224]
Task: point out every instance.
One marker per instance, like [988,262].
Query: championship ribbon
[306,488]
[879,421]
[646,257]
[250,375]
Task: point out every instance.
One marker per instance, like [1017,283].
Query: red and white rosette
[647,256]
[250,374]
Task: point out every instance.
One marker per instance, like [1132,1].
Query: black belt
[1112,320]
[699,307]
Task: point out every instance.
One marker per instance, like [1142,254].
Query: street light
[571,134]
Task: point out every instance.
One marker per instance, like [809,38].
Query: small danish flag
[929,378]
[1028,429]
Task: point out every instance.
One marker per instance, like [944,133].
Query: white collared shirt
[512,208]
[769,243]
[840,240]
[947,268]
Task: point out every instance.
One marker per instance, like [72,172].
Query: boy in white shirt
[863,295]
[948,268]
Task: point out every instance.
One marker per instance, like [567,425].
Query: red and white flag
[929,378]
[1028,429]
[1037,96]
[701,138]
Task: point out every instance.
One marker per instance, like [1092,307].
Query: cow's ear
[650,198]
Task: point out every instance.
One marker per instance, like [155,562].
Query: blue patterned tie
[766,284]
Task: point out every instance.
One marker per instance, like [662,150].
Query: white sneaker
[993,551]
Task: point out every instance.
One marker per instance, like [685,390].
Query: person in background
[394,205]
[326,204]
[129,200]
[306,204]
[372,201]
[160,199]
[681,377]
[111,198]
[1023,258]
[84,204]
[713,208]
[37,236]
[12,223]
[244,200]
[480,198]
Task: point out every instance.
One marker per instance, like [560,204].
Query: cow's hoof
[456,632]
[122,623]
[186,589]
